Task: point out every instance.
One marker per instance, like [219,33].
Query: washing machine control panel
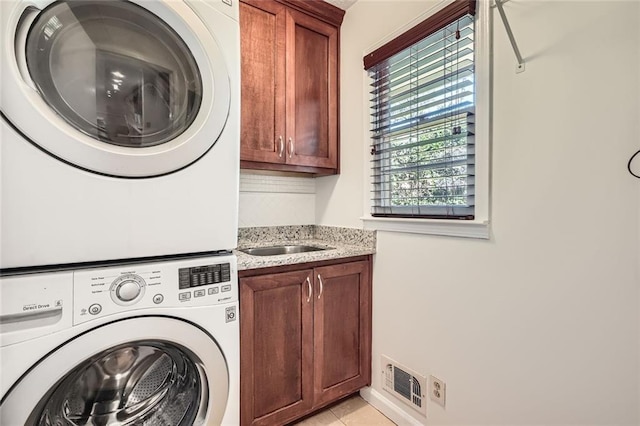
[190,282]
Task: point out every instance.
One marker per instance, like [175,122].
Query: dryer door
[177,376]
[131,89]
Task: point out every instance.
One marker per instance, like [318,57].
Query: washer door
[111,86]
[179,378]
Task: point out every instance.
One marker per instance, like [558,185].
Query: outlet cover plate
[437,390]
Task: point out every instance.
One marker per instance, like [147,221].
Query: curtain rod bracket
[507,27]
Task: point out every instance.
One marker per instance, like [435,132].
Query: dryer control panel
[192,282]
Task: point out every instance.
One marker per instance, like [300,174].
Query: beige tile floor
[351,411]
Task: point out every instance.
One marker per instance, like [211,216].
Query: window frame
[479,226]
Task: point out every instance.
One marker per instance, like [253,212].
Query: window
[423,119]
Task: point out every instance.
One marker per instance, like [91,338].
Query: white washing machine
[120,129]
[130,344]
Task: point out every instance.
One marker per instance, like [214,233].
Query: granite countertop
[340,243]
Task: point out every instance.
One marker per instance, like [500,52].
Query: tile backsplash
[250,182]
[272,200]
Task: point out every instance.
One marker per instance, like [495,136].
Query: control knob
[127,289]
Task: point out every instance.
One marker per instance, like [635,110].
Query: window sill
[452,228]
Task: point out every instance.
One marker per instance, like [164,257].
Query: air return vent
[405,384]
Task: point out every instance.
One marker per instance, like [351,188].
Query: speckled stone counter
[340,243]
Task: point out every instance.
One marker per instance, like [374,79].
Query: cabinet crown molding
[318,9]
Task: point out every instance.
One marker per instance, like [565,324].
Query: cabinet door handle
[321,286]
[290,147]
[281,147]
[310,288]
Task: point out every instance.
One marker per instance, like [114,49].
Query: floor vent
[405,384]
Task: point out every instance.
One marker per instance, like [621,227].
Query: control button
[184,296]
[95,309]
[128,290]
[214,290]
[226,288]
[158,298]
[199,293]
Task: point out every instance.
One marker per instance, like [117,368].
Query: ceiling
[342,4]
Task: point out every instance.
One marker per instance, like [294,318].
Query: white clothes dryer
[120,129]
[133,344]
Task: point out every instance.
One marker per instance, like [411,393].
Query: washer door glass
[151,383]
[114,71]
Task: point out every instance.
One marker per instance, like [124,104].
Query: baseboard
[389,408]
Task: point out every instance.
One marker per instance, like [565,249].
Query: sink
[285,249]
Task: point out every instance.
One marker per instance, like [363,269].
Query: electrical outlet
[437,390]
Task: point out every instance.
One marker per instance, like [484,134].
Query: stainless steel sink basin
[286,249]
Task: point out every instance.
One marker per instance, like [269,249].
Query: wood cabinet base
[305,338]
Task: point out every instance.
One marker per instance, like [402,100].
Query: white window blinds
[422,120]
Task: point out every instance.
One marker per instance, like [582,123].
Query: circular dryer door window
[122,88]
[114,71]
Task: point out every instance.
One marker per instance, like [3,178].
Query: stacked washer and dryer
[118,212]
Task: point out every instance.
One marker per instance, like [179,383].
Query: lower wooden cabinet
[305,336]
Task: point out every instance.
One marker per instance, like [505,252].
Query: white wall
[540,324]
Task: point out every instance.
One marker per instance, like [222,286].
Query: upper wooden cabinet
[290,85]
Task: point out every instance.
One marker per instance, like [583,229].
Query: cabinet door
[262,43]
[276,340]
[312,91]
[342,330]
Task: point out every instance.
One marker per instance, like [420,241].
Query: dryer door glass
[151,383]
[114,71]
